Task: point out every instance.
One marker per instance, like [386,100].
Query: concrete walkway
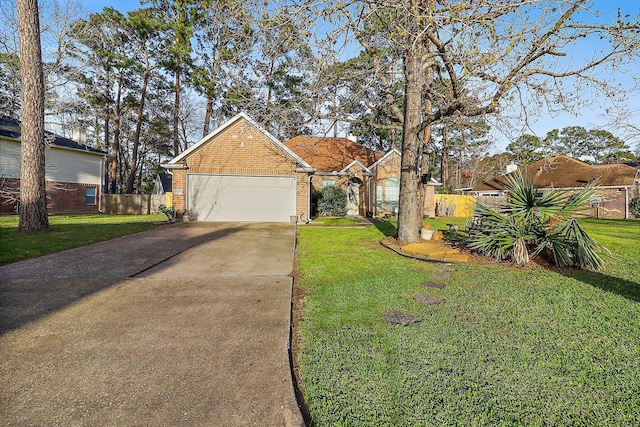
[186,325]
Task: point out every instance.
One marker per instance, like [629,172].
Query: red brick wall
[613,204]
[61,196]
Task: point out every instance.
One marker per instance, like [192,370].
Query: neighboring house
[240,172]
[162,184]
[73,173]
[616,185]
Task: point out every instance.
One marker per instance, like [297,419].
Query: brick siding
[613,204]
[240,149]
[62,197]
[390,168]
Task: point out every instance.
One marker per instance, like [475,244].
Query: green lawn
[507,346]
[67,231]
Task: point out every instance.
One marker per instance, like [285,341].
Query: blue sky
[593,116]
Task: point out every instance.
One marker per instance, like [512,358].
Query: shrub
[168,211]
[635,207]
[535,223]
[332,201]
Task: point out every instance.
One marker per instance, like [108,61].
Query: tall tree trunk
[33,198]
[107,120]
[142,159]
[426,146]
[212,83]
[176,111]
[136,137]
[412,192]
[208,112]
[409,175]
[267,124]
[116,139]
[444,157]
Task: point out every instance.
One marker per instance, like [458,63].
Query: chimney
[79,135]
[512,167]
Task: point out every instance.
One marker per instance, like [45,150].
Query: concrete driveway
[185,325]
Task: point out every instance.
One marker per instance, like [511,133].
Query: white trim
[173,166]
[356,162]
[228,124]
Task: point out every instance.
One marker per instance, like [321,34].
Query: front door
[353,197]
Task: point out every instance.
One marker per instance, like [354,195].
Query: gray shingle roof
[10,128]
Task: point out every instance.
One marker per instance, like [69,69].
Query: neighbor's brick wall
[612,205]
[61,196]
[239,150]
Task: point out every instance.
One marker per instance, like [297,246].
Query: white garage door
[241,198]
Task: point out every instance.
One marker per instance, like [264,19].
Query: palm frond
[533,222]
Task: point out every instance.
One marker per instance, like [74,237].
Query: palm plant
[534,222]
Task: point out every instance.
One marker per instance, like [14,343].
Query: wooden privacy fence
[454,205]
[131,204]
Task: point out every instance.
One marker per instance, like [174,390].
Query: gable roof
[10,129]
[327,154]
[565,172]
[228,124]
[385,157]
[356,163]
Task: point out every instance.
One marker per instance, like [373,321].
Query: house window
[90,195]
[392,194]
[379,197]
[328,183]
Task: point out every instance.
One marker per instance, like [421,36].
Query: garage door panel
[241,198]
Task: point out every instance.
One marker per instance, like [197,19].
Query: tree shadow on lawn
[386,227]
[623,287]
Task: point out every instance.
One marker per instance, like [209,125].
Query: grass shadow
[623,287]
[386,227]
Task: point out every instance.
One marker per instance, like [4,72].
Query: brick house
[340,162]
[240,172]
[74,172]
[386,186]
[617,184]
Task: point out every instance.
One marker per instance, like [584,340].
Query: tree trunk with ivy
[33,198]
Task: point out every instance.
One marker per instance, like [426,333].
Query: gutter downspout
[311,171]
[309,197]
